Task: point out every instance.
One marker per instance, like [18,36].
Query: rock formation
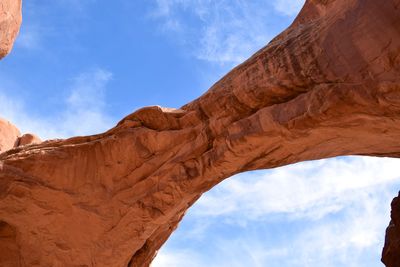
[391,251]
[28,139]
[329,85]
[10,21]
[8,135]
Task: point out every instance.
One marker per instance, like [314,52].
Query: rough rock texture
[28,139]
[8,135]
[391,251]
[329,85]
[10,21]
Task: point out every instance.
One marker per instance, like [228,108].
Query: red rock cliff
[329,85]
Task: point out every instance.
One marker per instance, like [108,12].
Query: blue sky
[79,66]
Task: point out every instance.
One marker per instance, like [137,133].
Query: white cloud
[308,189]
[81,113]
[351,237]
[177,259]
[221,31]
[333,213]
[86,104]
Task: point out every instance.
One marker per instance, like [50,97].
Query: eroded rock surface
[10,21]
[329,85]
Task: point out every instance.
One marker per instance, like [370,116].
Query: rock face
[391,251]
[329,85]
[8,135]
[10,21]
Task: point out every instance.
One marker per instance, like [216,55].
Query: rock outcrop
[391,251]
[329,85]
[28,139]
[9,135]
[10,21]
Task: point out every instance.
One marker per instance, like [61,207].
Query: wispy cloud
[327,213]
[177,259]
[86,103]
[81,113]
[311,189]
[222,31]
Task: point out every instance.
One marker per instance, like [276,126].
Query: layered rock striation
[329,85]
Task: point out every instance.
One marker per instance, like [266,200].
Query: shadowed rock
[391,251]
[329,85]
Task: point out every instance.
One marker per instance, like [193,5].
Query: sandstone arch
[329,85]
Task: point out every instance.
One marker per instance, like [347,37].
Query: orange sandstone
[10,21]
[329,85]
[8,135]
[28,139]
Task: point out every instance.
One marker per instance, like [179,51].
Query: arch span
[329,85]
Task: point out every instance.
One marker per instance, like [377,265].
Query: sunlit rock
[10,21]
[327,86]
